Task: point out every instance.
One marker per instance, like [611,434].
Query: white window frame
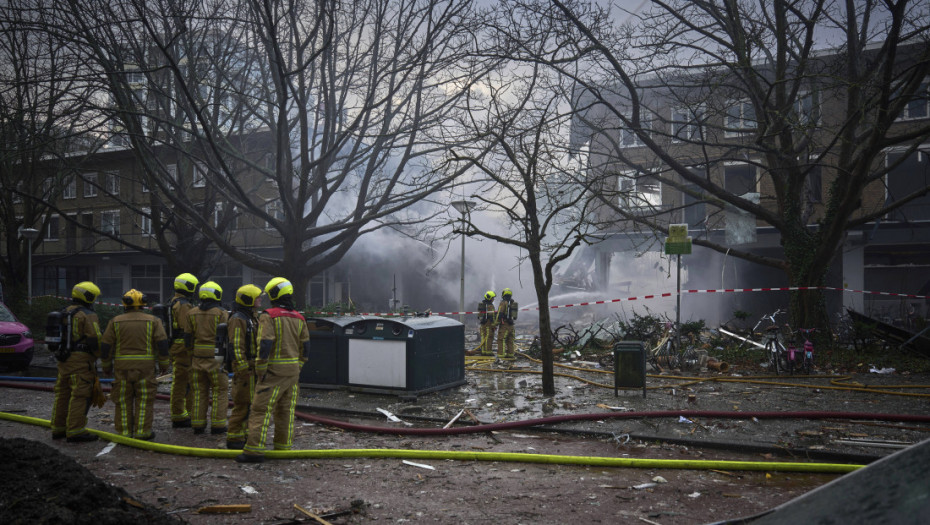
[52,234]
[110,218]
[275,208]
[738,123]
[90,184]
[629,138]
[69,188]
[641,200]
[808,116]
[145,222]
[111,182]
[199,175]
[923,92]
[685,124]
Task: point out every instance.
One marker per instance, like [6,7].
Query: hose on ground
[519,457]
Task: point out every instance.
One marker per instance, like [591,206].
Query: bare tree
[43,131]
[531,179]
[798,91]
[316,122]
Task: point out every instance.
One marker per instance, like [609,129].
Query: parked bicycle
[773,342]
[802,358]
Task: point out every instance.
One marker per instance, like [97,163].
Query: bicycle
[804,356]
[776,351]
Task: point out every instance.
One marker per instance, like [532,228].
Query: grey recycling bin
[404,355]
[326,366]
[629,365]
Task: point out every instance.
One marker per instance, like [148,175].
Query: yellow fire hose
[550,459]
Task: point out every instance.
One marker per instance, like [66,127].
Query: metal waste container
[629,365]
[325,367]
[404,355]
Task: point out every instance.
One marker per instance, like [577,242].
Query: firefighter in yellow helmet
[506,316]
[284,344]
[132,343]
[209,381]
[77,365]
[242,330]
[487,320]
[181,399]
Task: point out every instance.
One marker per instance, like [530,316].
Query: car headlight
[27,334]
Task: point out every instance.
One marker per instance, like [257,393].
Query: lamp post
[30,234]
[462,207]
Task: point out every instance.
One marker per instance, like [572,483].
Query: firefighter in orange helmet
[132,343]
[284,344]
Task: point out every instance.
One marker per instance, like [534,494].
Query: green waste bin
[629,365]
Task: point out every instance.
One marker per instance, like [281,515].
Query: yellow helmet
[134,298]
[85,291]
[246,295]
[210,291]
[506,293]
[489,295]
[278,287]
[186,283]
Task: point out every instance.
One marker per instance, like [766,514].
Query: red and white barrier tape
[638,298]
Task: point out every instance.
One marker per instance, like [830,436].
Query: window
[90,184]
[639,190]
[740,179]
[145,221]
[813,185]
[112,183]
[172,171]
[919,106]
[685,124]
[906,176]
[69,188]
[274,209]
[199,175]
[807,109]
[147,279]
[629,138]
[51,233]
[231,216]
[109,222]
[741,117]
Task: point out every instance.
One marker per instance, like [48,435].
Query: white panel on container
[378,363]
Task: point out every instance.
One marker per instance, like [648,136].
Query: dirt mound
[38,484]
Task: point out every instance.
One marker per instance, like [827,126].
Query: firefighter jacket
[134,341]
[283,338]
[203,322]
[85,333]
[242,329]
[506,312]
[180,324]
[486,312]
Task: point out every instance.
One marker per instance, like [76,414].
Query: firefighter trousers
[74,389]
[275,400]
[211,390]
[182,397]
[243,389]
[134,396]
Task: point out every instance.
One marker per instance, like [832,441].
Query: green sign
[677,246]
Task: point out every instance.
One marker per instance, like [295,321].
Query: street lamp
[462,207]
[30,234]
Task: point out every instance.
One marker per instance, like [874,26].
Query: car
[16,343]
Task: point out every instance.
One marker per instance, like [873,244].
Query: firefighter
[208,377]
[487,317]
[77,374]
[242,329]
[284,344]
[132,344]
[181,393]
[506,315]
